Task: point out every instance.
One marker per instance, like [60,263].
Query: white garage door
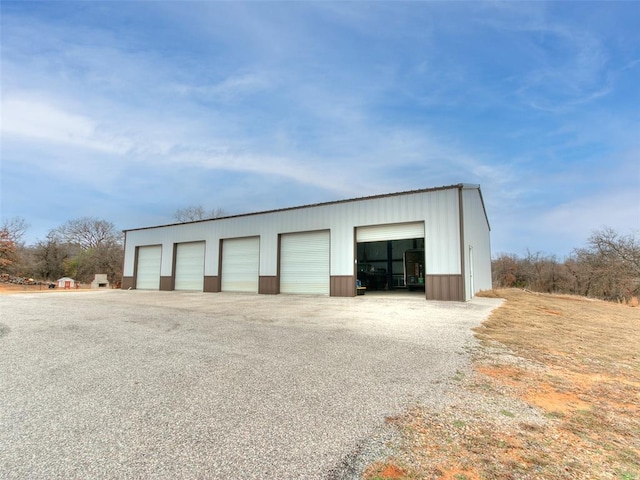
[240,264]
[190,266]
[148,268]
[391,231]
[304,263]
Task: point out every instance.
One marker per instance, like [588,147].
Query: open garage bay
[146,384]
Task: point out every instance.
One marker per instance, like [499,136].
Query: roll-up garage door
[304,263]
[240,264]
[148,268]
[189,266]
[391,231]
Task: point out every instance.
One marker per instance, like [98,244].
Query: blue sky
[128,111]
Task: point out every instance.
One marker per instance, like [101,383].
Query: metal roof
[458,186]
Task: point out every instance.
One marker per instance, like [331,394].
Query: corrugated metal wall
[438,210]
[476,238]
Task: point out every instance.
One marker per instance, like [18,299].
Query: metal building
[434,241]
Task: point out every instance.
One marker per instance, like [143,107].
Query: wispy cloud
[320,100]
[234,87]
[571,69]
[41,121]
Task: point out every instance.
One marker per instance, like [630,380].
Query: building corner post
[463,269]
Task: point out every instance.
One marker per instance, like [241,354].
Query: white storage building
[434,241]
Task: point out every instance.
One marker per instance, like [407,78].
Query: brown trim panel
[127,283]
[444,287]
[167,283]
[342,286]
[268,285]
[211,284]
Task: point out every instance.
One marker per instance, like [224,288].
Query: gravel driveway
[133,384]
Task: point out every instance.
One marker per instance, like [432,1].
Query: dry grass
[574,362]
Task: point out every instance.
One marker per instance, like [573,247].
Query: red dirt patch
[388,471]
[507,374]
[553,401]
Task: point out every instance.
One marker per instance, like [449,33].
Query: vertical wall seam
[135,267]
[174,262]
[462,243]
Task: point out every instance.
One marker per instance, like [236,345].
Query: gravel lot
[133,384]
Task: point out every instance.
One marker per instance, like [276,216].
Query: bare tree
[89,232]
[608,267]
[15,228]
[505,270]
[51,257]
[621,249]
[614,262]
[197,212]
[99,260]
[95,246]
[12,232]
[7,250]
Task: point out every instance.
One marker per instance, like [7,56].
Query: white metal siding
[442,234]
[477,244]
[189,266]
[240,264]
[148,276]
[438,210]
[395,231]
[304,263]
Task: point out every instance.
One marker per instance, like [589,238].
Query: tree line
[607,267]
[78,248]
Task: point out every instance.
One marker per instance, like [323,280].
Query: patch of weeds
[459,376]
[554,414]
[583,422]
[626,475]
[484,386]
[531,427]
[459,424]
[629,456]
[507,413]
[460,476]
[537,460]
[514,466]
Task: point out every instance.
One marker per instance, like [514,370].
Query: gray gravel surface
[133,384]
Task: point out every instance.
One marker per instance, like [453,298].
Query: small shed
[66,282]
[100,281]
